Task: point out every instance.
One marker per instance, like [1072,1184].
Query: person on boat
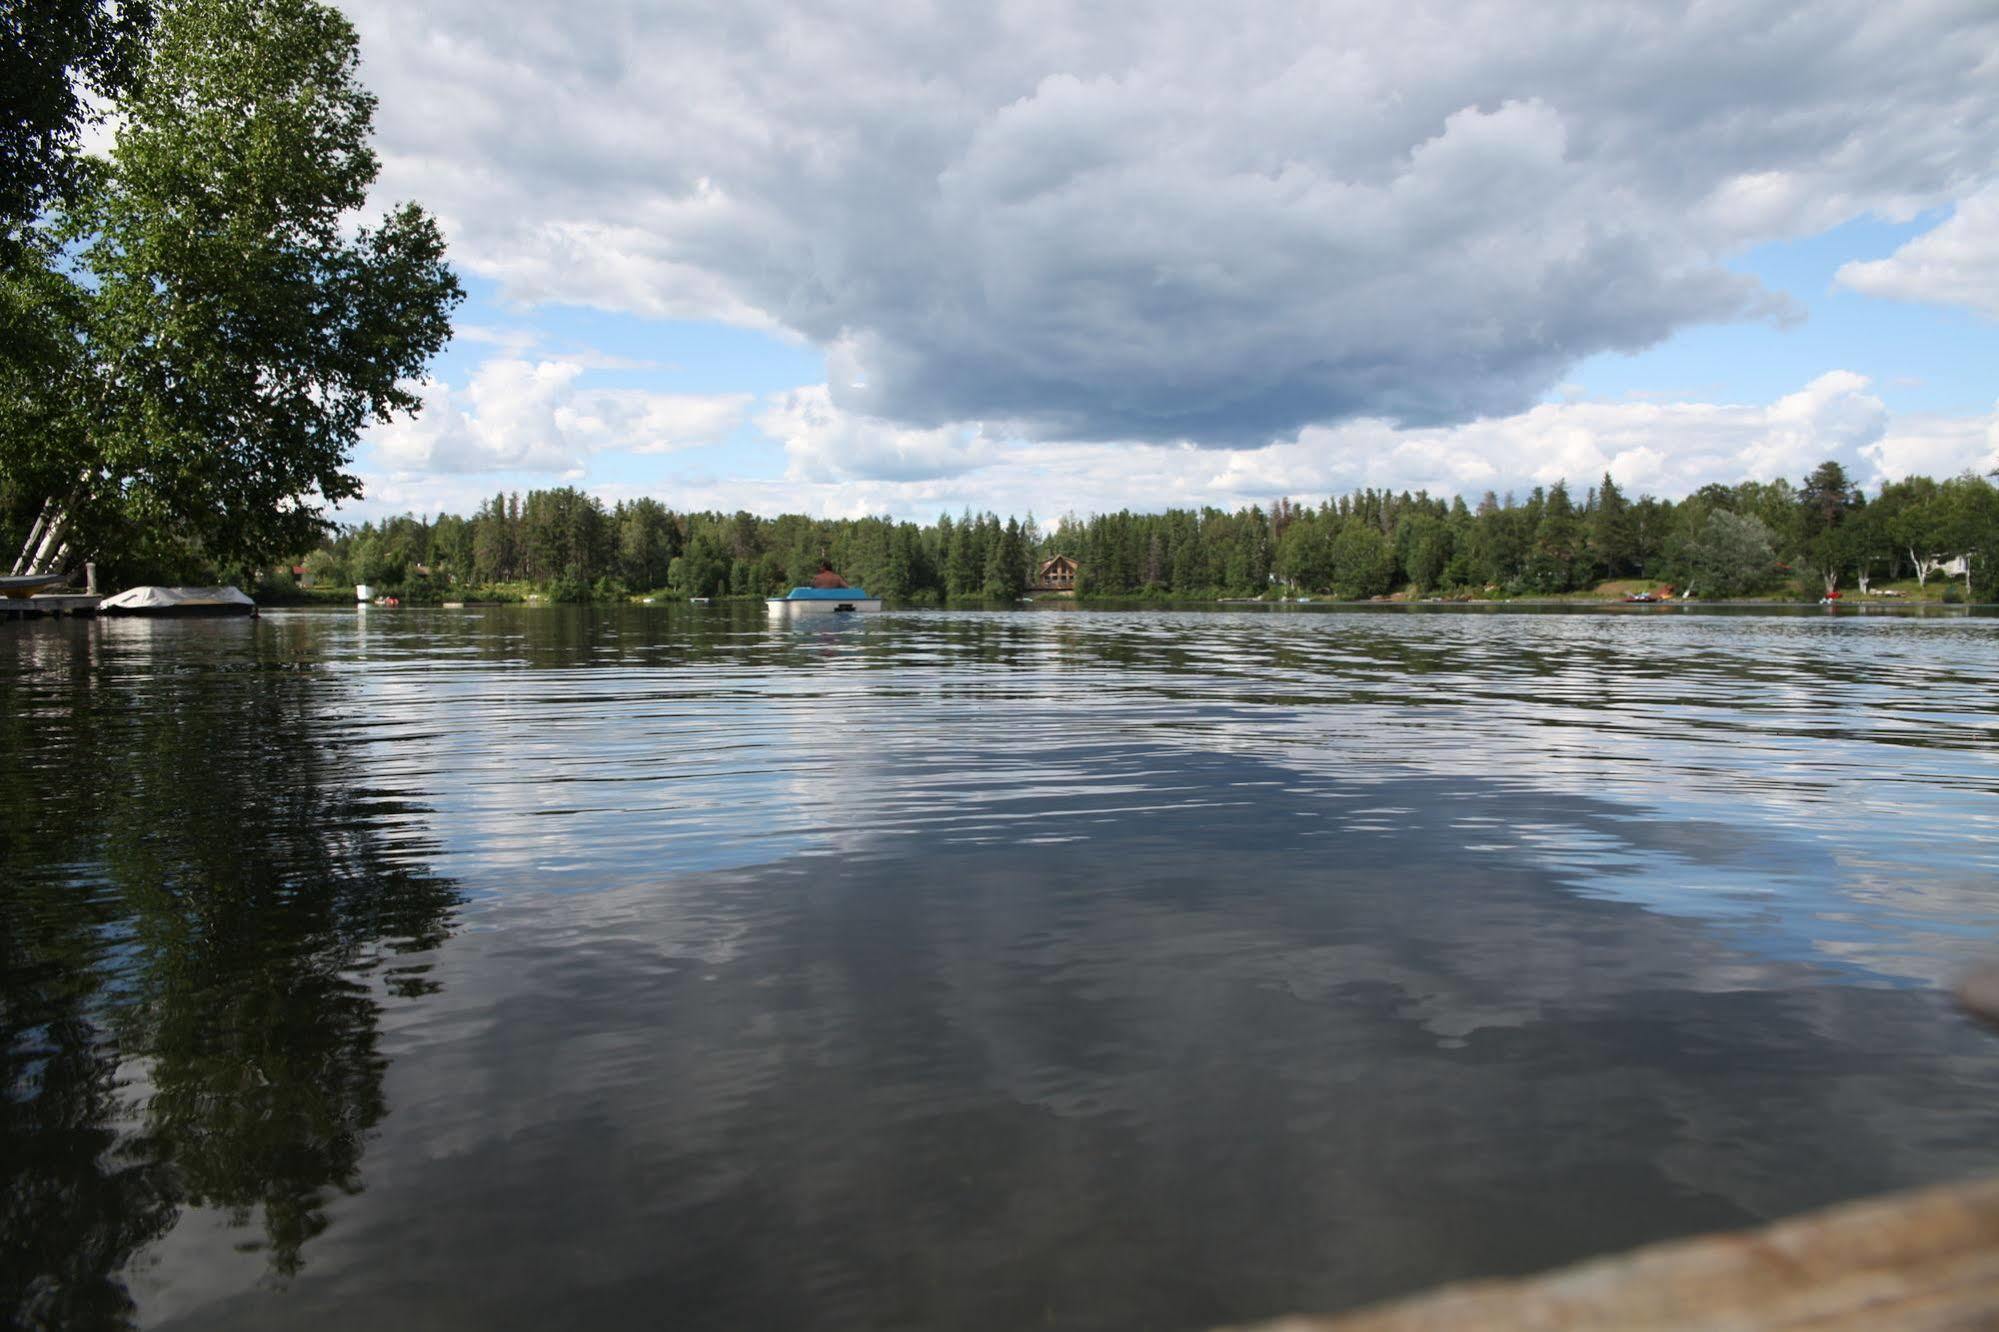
[826,577]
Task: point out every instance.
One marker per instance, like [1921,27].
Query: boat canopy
[828,594]
[175,598]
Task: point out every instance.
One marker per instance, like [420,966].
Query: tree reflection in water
[194,962]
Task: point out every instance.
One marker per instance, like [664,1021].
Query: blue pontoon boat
[822,601]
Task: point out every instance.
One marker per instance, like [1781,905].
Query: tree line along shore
[202,321]
[1922,537]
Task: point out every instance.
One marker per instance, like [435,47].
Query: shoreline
[1315,604]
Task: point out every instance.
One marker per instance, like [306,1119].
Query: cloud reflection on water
[1181,1075]
[988,970]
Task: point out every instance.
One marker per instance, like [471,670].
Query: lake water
[514,968]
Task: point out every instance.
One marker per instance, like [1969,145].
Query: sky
[908,258]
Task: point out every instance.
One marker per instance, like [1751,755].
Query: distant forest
[1722,541]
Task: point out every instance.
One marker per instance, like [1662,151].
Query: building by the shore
[1056,575]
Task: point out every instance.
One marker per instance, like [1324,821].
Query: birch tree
[215,326]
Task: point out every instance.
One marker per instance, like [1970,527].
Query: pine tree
[961,573]
[1003,577]
[1558,560]
[1612,537]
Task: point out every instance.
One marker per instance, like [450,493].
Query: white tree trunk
[49,530]
[43,560]
[1927,565]
[34,536]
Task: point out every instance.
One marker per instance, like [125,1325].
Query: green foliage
[1498,544]
[211,332]
[1714,541]
[55,54]
[702,571]
[1305,554]
[1006,566]
[1613,532]
[1559,559]
[1965,521]
[1827,543]
[1424,546]
[965,559]
[564,534]
[1363,562]
[647,539]
[324,568]
[1733,557]
[1826,499]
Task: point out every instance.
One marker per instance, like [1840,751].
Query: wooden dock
[48,604]
[1926,1259]
[1923,1260]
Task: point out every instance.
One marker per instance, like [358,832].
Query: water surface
[515,967]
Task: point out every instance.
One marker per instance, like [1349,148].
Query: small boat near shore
[26,585]
[808,601]
[178,602]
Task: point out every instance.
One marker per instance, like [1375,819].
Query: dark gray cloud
[1089,224]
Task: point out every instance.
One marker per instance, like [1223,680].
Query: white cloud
[1666,448]
[842,465]
[824,443]
[512,340]
[520,415]
[1832,417]
[642,422]
[519,341]
[1956,263]
[1937,446]
[1089,222]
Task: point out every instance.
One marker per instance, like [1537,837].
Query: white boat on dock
[810,601]
[178,601]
